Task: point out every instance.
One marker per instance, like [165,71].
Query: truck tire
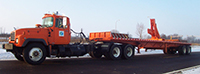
[128,52]
[188,50]
[34,53]
[182,50]
[19,57]
[115,52]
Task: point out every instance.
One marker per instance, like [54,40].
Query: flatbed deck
[140,43]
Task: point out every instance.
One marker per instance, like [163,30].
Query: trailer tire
[34,53]
[182,50]
[115,52]
[128,52]
[188,51]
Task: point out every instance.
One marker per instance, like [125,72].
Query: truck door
[62,31]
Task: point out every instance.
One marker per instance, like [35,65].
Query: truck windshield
[47,22]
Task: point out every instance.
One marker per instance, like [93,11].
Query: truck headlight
[17,40]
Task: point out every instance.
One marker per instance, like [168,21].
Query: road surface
[141,64]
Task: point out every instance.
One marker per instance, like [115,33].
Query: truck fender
[33,40]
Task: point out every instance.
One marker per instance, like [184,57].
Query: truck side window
[59,23]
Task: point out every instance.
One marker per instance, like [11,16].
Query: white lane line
[181,70]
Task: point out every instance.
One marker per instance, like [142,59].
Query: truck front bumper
[8,46]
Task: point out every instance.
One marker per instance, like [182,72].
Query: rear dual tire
[116,52]
[184,50]
[128,52]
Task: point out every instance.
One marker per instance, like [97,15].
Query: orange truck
[52,39]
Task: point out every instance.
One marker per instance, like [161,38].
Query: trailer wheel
[34,53]
[128,52]
[188,50]
[182,50]
[115,52]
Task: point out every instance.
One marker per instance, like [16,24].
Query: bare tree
[163,36]
[140,30]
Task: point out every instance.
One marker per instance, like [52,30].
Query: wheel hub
[129,52]
[35,54]
[116,52]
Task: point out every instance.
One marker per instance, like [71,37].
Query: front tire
[34,53]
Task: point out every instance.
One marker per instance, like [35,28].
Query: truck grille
[12,35]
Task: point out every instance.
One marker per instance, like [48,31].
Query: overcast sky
[172,16]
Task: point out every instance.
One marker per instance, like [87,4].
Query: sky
[172,16]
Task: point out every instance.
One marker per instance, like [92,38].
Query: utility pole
[116,24]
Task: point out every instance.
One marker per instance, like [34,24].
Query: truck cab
[59,28]
[52,37]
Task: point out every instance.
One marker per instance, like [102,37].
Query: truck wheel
[182,50]
[115,52]
[128,52]
[188,50]
[19,57]
[34,53]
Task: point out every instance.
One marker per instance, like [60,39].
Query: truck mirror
[64,22]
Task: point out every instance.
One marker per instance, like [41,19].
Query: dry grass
[195,44]
[3,40]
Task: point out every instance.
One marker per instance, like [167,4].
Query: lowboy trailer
[52,39]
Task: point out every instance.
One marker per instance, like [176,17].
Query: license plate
[8,46]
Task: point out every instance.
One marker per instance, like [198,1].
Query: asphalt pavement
[140,64]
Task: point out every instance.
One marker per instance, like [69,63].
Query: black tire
[188,50]
[34,53]
[182,50]
[19,57]
[128,52]
[95,52]
[115,52]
